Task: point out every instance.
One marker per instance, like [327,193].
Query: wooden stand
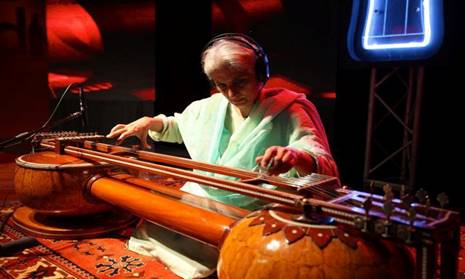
[39,225]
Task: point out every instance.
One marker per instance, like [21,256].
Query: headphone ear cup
[262,67]
[260,70]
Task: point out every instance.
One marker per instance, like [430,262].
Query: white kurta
[211,134]
[280,117]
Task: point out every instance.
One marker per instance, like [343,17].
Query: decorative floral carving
[320,235]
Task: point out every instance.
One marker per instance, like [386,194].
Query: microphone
[82,108]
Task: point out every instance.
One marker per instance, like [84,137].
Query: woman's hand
[278,159]
[138,128]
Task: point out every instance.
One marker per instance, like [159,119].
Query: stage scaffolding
[394,111]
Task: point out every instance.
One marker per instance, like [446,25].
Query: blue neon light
[386,30]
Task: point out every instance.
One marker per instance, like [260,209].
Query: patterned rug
[88,258]
[105,257]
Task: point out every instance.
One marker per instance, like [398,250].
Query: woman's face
[241,88]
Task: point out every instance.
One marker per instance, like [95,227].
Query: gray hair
[225,53]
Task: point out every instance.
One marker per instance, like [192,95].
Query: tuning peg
[388,194]
[427,205]
[367,204]
[405,232]
[372,187]
[411,215]
[403,190]
[443,199]
[421,196]
[388,208]
[405,197]
[363,223]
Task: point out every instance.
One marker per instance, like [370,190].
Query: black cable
[19,138]
[13,246]
[58,104]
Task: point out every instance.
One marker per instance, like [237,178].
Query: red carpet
[95,258]
[88,258]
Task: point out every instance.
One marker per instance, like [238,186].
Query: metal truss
[393,126]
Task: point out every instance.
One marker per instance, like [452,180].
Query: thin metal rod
[290,183]
[390,156]
[408,120]
[371,112]
[416,126]
[394,114]
[235,186]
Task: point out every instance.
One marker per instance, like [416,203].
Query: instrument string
[299,182]
[278,181]
[287,182]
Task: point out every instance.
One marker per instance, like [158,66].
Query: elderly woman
[245,125]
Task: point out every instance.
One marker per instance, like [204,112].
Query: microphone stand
[25,135]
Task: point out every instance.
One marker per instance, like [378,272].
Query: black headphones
[262,66]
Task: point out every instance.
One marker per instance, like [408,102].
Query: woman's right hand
[138,128]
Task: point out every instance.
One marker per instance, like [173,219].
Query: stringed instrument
[312,227]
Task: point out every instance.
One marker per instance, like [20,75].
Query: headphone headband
[262,65]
